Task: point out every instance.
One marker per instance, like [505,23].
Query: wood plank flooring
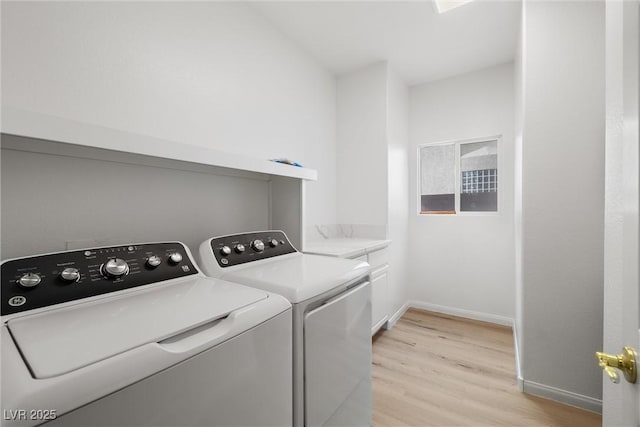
[438,370]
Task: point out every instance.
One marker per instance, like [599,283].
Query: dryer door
[337,350]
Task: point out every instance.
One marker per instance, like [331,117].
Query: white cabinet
[379,262]
[379,305]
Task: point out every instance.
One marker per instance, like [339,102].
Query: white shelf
[50,128]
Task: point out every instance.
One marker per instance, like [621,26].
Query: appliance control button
[175,258]
[29,280]
[70,274]
[239,248]
[225,251]
[282,242]
[115,267]
[273,243]
[153,261]
[17,301]
[257,245]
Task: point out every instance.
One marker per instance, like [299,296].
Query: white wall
[464,262]
[211,74]
[67,202]
[362,146]
[372,123]
[563,199]
[398,198]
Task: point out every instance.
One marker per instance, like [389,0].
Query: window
[459,177]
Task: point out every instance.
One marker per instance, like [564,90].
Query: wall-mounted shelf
[50,128]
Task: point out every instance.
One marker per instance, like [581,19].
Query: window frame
[458,183]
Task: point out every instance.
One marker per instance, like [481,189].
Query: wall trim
[469,314]
[516,349]
[397,315]
[563,396]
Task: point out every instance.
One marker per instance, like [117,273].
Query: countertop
[345,247]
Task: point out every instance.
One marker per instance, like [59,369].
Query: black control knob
[225,251]
[239,248]
[153,261]
[70,274]
[273,243]
[257,245]
[115,267]
[29,280]
[175,258]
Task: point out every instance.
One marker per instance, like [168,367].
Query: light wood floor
[437,370]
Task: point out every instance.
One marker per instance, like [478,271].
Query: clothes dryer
[331,300]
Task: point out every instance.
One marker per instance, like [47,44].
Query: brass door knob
[626,362]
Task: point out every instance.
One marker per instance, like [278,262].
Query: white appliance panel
[337,348]
[203,391]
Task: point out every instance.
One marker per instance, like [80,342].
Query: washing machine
[331,300]
[136,335]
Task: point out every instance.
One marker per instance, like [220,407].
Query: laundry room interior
[346,213]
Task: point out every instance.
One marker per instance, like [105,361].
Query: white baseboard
[397,315]
[469,314]
[563,396]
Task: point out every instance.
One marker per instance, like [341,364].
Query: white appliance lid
[298,277]
[63,340]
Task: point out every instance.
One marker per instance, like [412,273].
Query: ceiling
[420,44]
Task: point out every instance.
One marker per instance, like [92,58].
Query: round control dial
[153,261]
[70,274]
[225,251]
[115,267]
[175,258]
[273,243]
[239,248]
[257,245]
[29,280]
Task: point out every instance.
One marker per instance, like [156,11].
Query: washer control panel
[44,280]
[246,247]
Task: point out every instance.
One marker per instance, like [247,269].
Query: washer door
[60,341]
[337,349]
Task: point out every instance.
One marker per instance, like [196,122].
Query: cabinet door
[379,309]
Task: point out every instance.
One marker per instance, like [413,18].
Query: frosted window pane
[437,178]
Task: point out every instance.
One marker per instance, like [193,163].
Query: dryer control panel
[237,249]
[45,280]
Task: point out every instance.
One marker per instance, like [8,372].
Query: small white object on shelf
[51,128]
